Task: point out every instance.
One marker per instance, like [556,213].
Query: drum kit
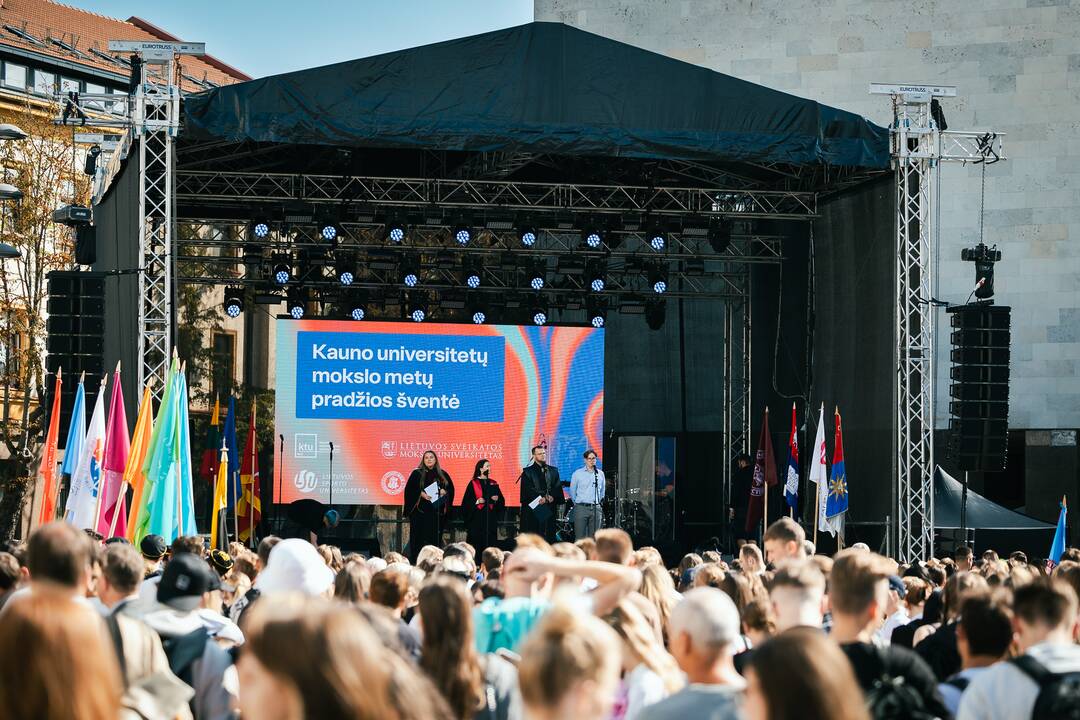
[628,514]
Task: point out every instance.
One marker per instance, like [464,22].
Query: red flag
[48,459]
[208,469]
[249,509]
[764,476]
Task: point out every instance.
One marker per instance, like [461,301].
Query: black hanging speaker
[979,391]
[86,244]
[75,336]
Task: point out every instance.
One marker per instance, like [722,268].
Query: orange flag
[48,458]
[133,471]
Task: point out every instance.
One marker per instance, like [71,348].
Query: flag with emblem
[836,504]
[791,484]
[249,509]
[86,480]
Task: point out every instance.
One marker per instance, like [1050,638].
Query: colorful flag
[162,478]
[158,431]
[220,540]
[791,486]
[186,521]
[836,503]
[48,459]
[819,471]
[133,472]
[76,431]
[86,480]
[1057,548]
[117,444]
[232,493]
[208,468]
[764,476]
[249,510]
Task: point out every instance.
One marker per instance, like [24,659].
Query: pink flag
[117,445]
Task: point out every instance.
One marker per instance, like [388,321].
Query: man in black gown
[741,481]
[540,480]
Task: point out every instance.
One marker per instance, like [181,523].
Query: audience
[785,540]
[983,637]
[650,674]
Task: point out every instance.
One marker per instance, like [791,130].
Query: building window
[69,85]
[44,83]
[15,75]
[223,363]
[92,89]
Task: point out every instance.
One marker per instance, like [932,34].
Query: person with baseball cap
[152,548]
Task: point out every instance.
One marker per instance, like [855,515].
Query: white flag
[819,473]
[86,480]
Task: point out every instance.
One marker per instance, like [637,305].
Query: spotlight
[357,313]
[395,233]
[91,162]
[357,309]
[477,310]
[259,229]
[536,275]
[410,271]
[527,236]
[655,312]
[329,232]
[471,267]
[984,259]
[234,302]
[657,279]
[462,235]
[594,275]
[596,311]
[282,268]
[539,313]
[719,234]
[417,310]
[657,239]
[345,268]
[296,300]
[592,237]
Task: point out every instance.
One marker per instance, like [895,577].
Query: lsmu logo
[305,481]
[393,483]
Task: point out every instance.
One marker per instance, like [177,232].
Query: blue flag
[837,503]
[76,433]
[1057,548]
[233,492]
[791,483]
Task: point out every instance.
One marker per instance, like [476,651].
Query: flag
[157,432]
[48,459]
[1057,548]
[791,487]
[208,468]
[217,517]
[117,444]
[133,472]
[249,509]
[764,476]
[186,522]
[819,471]
[82,502]
[836,503]
[232,492]
[76,431]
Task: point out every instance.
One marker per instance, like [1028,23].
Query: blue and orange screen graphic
[383,393]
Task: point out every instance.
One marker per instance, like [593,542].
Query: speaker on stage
[75,333]
[979,391]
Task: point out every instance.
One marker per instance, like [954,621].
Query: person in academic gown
[428,516]
[540,480]
[482,504]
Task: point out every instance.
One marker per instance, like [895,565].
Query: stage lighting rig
[354,304]
[984,259]
[655,313]
[281,269]
[296,301]
[594,275]
[345,269]
[462,234]
[259,229]
[395,232]
[528,235]
[536,275]
[538,312]
[656,238]
[234,301]
[719,234]
[477,310]
[410,271]
[417,307]
[596,311]
[329,232]
[471,267]
[592,237]
[657,275]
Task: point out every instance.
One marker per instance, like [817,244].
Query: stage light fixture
[596,311]
[527,236]
[592,237]
[296,301]
[984,259]
[536,275]
[539,313]
[260,229]
[329,232]
[655,313]
[719,234]
[594,275]
[355,305]
[657,275]
[471,267]
[282,268]
[395,233]
[345,269]
[657,239]
[462,235]
[410,271]
[234,302]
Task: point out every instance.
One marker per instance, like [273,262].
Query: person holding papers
[541,494]
[429,495]
[481,505]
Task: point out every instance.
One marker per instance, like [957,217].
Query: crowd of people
[593,630]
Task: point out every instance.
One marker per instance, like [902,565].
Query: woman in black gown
[481,505]
[428,516]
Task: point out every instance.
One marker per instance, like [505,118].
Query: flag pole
[765,503]
[101,470]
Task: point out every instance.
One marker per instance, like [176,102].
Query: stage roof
[982,514]
[537,88]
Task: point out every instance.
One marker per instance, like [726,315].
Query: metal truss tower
[918,145]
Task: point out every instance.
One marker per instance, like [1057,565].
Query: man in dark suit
[540,480]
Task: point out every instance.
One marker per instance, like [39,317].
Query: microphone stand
[596,500]
[331,503]
[280,487]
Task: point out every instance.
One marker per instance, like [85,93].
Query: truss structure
[918,147]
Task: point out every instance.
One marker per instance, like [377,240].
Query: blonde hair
[563,650]
[658,588]
[638,636]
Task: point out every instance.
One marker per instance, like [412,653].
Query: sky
[276,36]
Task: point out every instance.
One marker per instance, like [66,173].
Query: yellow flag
[219,499]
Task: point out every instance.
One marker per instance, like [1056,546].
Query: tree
[47,169]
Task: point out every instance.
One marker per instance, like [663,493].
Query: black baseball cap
[184,581]
[153,547]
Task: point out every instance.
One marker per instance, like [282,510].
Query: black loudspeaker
[76,335]
[85,244]
[979,391]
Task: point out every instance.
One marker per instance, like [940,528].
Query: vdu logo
[393,483]
[305,481]
[388,449]
[306,445]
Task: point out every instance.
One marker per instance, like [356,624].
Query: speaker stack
[76,334]
[979,391]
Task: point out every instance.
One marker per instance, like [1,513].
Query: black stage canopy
[539,88]
[982,514]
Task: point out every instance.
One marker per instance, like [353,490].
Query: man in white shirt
[895,611]
[587,492]
[983,636]
[1045,625]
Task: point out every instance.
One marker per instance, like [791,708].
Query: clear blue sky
[275,36]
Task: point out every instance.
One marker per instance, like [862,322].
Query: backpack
[892,698]
[182,652]
[1059,693]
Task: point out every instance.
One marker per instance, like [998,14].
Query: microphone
[979,285]
[331,447]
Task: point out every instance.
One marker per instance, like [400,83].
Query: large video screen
[383,393]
